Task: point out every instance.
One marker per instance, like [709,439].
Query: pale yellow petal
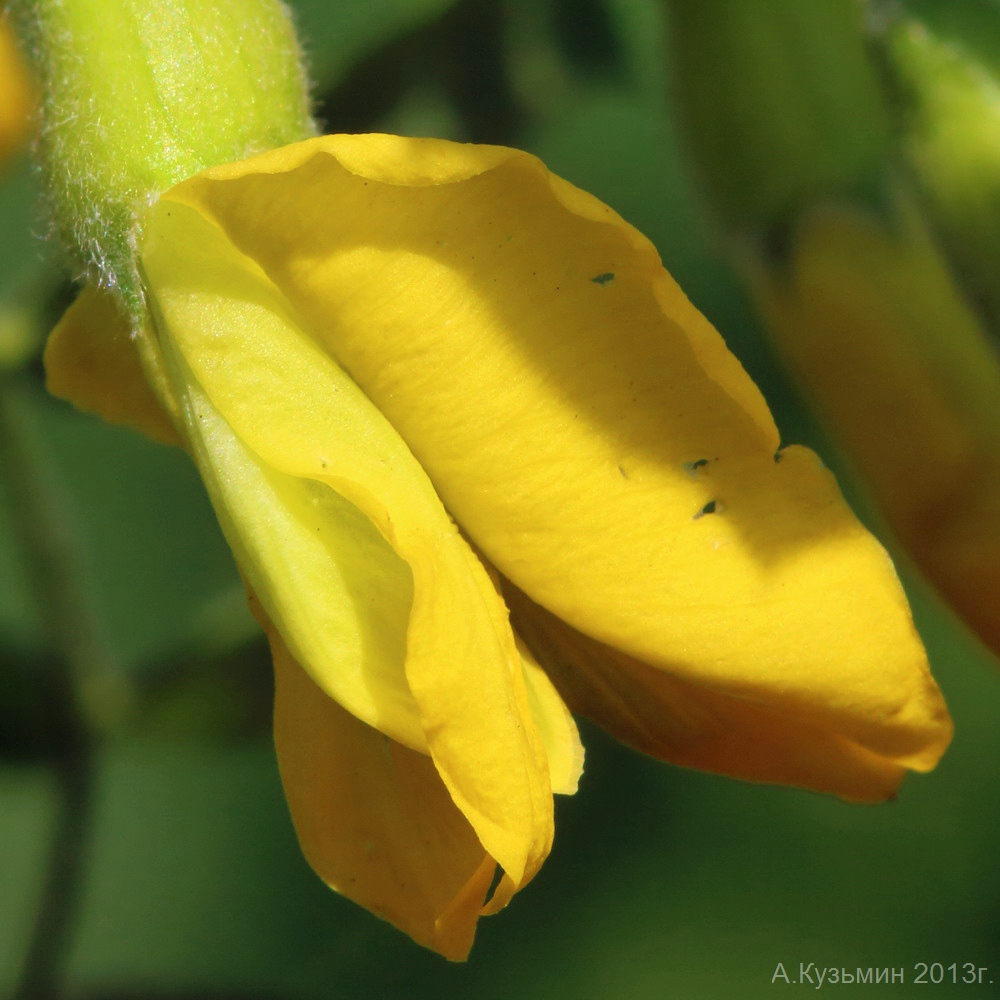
[279,398]
[561,739]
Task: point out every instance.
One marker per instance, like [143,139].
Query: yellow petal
[374,819]
[341,534]
[584,424]
[92,360]
[697,726]
[558,731]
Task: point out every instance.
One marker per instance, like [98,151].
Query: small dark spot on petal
[709,508]
[603,279]
[625,475]
[691,468]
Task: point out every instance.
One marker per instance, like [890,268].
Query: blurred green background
[180,874]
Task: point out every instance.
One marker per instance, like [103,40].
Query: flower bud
[776,103]
[944,61]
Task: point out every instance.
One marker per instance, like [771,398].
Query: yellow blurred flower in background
[16,96]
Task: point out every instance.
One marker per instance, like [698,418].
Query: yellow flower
[15,94]
[361,338]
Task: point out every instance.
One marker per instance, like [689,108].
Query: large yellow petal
[582,421]
[341,534]
[374,818]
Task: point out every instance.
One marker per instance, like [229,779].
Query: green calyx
[138,95]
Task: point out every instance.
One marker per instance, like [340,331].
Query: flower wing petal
[302,429]
[563,748]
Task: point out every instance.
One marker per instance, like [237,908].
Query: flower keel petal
[374,819]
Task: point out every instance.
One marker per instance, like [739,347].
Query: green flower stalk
[800,165]
[136,99]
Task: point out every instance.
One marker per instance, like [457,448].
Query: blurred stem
[74,672]
[59,903]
